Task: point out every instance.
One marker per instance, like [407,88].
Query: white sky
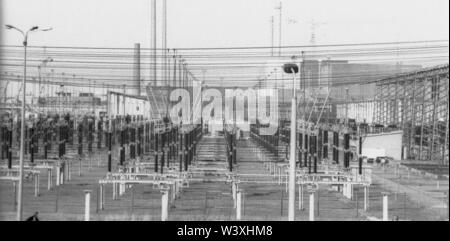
[225,23]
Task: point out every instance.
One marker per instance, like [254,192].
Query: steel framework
[417,102]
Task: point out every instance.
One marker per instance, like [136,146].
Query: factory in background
[344,81]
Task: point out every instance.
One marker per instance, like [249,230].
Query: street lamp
[22,123]
[291,68]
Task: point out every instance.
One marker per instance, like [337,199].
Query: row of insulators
[166,144]
[48,132]
[6,146]
[171,143]
[312,147]
[269,142]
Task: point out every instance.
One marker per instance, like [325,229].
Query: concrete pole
[165,205]
[79,167]
[311,206]
[63,176]
[69,170]
[101,201]
[350,191]
[22,135]
[238,205]
[385,207]
[300,197]
[291,203]
[366,199]
[15,193]
[36,185]
[121,189]
[87,204]
[448,209]
[58,175]
[49,179]
[114,191]
[233,190]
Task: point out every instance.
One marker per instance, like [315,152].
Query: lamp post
[22,123]
[291,68]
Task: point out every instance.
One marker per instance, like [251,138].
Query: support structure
[87,205]
[417,103]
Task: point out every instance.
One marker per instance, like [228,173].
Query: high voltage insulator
[325,144]
[347,150]
[80,138]
[335,147]
[99,132]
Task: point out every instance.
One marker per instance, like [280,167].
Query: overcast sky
[224,23]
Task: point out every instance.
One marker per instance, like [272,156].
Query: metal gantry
[417,103]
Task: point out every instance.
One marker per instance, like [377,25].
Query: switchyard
[343,132]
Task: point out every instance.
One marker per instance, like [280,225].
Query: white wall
[390,142]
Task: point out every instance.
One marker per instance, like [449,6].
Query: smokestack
[153,74]
[136,83]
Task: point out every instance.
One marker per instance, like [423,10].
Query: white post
[61,182]
[87,205]
[101,197]
[67,171]
[311,206]
[350,191]
[114,191]
[300,197]
[238,205]
[58,175]
[164,205]
[385,207]
[121,189]
[49,179]
[36,185]
[366,199]
[291,203]
[233,189]
[61,174]
[15,194]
